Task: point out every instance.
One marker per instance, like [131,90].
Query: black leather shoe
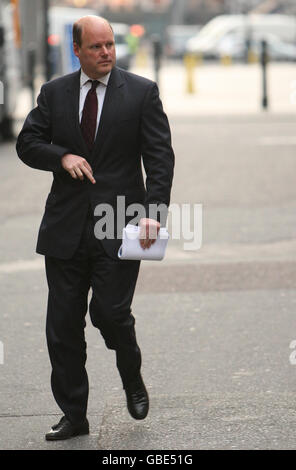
[137,399]
[64,430]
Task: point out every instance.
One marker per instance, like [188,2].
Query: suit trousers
[69,281]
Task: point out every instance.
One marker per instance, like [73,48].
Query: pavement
[216,325]
[234,89]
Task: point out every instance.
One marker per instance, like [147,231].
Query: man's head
[94,45]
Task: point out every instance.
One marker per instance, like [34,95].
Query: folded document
[131,248]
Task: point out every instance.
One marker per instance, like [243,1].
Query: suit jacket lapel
[73,96]
[111,107]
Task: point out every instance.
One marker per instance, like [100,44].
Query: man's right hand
[77,167]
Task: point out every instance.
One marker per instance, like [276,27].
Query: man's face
[97,52]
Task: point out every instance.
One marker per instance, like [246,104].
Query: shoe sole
[83,432]
[137,417]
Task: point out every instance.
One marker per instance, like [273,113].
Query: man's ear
[76,49]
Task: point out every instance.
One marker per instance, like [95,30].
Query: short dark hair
[77,33]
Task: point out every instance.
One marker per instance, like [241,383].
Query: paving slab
[203,422]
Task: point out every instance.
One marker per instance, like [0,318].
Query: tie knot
[94,84]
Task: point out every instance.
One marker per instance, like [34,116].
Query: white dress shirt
[101,91]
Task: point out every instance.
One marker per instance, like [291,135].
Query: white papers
[131,248]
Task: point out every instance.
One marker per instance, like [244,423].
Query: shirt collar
[84,78]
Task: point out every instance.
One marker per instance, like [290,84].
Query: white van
[207,42]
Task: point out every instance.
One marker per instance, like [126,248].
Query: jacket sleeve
[157,153]
[34,145]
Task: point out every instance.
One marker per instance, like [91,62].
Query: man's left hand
[149,229]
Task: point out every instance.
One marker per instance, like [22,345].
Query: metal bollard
[141,58]
[31,69]
[226,60]
[190,63]
[252,57]
[264,60]
[157,53]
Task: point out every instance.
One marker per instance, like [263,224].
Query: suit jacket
[132,125]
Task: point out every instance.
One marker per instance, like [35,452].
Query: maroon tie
[88,123]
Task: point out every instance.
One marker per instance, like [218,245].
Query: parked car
[235,46]
[176,39]
[208,41]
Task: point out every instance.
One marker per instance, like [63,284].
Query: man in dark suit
[90,129]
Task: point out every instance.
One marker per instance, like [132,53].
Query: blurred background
[215,324]
[191,47]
